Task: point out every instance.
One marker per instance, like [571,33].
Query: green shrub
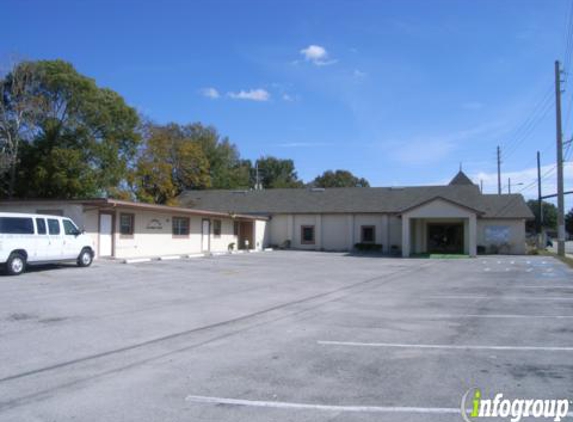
[368,247]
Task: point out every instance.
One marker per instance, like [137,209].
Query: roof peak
[461,179]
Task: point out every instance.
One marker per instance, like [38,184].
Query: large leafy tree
[170,162]
[81,137]
[277,173]
[339,179]
[549,214]
[226,168]
[19,104]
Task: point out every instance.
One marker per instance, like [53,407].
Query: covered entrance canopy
[439,226]
[446,238]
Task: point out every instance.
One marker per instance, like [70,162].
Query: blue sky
[399,92]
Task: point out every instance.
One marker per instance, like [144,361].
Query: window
[41,225]
[180,226]
[16,225]
[217,228]
[368,234]
[70,228]
[53,226]
[126,224]
[307,235]
[236,226]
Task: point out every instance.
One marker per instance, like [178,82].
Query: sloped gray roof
[353,200]
[461,179]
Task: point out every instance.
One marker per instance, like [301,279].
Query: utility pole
[498,171]
[559,133]
[257,182]
[481,185]
[509,185]
[539,200]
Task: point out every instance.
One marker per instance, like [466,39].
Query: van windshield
[70,228]
[16,225]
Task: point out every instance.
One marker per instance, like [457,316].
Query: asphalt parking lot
[282,336]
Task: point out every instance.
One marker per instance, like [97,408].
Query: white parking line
[446,346]
[322,407]
[509,316]
[565,299]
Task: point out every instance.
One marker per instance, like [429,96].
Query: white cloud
[525,181]
[317,55]
[288,97]
[210,93]
[359,74]
[434,148]
[253,95]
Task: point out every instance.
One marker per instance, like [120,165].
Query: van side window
[41,225]
[16,225]
[70,228]
[53,226]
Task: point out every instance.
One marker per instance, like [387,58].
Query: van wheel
[86,258]
[16,264]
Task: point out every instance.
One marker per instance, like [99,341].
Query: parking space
[290,336]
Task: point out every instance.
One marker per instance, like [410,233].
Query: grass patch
[565,259]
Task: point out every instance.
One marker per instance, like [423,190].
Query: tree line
[549,216]
[62,136]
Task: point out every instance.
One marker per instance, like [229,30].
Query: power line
[536,115]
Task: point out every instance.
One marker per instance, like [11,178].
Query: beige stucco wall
[304,220]
[379,221]
[335,232]
[516,238]
[395,231]
[277,227]
[147,241]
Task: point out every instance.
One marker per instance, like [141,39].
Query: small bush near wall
[368,247]
[481,250]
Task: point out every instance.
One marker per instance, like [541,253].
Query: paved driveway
[282,336]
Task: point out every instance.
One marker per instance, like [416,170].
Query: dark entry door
[246,235]
[446,238]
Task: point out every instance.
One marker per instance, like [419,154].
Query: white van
[36,238]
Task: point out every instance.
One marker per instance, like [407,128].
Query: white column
[290,229]
[350,228]
[472,236]
[318,231]
[384,236]
[405,236]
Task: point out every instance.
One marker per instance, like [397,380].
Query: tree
[339,179]
[170,162]
[82,137]
[226,168]
[278,173]
[549,215]
[569,222]
[18,106]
